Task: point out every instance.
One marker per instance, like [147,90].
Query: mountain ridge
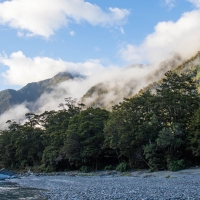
[30,92]
[99,95]
[96,95]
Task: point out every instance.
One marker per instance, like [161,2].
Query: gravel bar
[111,187]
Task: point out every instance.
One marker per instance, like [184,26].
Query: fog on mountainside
[98,90]
[128,83]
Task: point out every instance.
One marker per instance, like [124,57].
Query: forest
[157,130]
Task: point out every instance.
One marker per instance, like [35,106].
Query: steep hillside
[190,66]
[106,95]
[31,92]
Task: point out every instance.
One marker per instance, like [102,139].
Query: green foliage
[84,139]
[178,99]
[122,167]
[85,169]
[131,125]
[154,157]
[109,167]
[194,134]
[176,165]
[172,141]
[49,156]
[158,131]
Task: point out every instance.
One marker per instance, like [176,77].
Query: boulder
[3,177]
[6,172]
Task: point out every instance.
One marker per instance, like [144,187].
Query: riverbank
[113,185]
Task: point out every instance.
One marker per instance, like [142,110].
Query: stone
[3,177]
[6,172]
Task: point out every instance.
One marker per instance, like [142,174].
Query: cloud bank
[116,82]
[17,113]
[23,70]
[168,38]
[195,3]
[44,17]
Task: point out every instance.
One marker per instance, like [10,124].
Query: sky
[40,38]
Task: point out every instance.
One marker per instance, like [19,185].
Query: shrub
[122,167]
[109,167]
[176,165]
[85,169]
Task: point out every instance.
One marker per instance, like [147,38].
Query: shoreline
[110,185]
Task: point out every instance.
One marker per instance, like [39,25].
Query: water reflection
[12,191]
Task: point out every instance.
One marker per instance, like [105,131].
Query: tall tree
[178,99]
[131,125]
[56,125]
[85,137]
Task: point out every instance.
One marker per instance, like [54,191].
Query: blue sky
[42,37]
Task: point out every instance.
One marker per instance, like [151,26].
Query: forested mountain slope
[97,95]
[190,66]
[31,92]
[111,92]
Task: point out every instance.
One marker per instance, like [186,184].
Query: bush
[176,165]
[85,169]
[122,167]
[109,167]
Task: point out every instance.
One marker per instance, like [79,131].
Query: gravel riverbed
[141,186]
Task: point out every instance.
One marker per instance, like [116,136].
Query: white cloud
[16,113]
[170,3]
[44,17]
[182,36]
[195,3]
[72,33]
[23,70]
[121,30]
[20,34]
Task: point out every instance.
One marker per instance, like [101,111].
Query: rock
[112,173]
[14,176]
[3,177]
[6,172]
[73,174]
[146,175]
[29,172]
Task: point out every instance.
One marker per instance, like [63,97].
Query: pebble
[113,188]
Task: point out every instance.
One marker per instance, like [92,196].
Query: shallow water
[12,191]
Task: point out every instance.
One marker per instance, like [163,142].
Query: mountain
[107,94]
[102,95]
[31,92]
[190,66]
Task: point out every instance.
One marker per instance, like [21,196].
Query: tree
[194,135]
[131,125]
[85,137]
[56,125]
[178,99]
[28,146]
